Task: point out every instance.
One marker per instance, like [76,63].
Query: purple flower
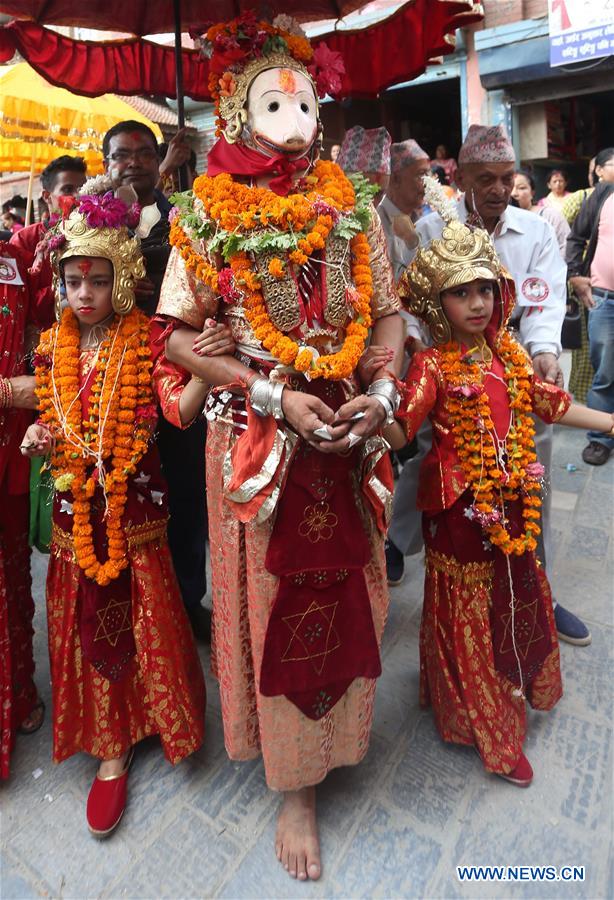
[107,211]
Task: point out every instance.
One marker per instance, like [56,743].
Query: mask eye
[273,106]
[305,107]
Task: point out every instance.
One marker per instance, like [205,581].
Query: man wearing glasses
[130,151]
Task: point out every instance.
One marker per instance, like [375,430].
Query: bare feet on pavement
[296,843]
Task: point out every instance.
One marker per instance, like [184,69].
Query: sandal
[33,728]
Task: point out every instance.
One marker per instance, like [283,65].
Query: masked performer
[123,661]
[289,252]
[488,639]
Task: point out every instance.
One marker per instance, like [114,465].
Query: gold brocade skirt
[472,702]
[297,751]
[162,691]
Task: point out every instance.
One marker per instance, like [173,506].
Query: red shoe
[522,773]
[107,801]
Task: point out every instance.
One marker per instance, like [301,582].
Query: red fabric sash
[320,635]
[450,532]
[236,159]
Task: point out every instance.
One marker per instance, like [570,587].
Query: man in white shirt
[527,247]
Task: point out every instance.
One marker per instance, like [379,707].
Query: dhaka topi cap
[405,153]
[365,150]
[486,144]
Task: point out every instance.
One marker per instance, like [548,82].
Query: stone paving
[396,826]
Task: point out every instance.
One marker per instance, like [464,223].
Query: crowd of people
[275,332]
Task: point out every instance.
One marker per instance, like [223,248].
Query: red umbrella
[151,17]
[390,51]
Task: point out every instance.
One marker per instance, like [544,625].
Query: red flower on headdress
[67,203]
[327,70]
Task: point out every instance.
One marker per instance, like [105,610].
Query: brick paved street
[397,825]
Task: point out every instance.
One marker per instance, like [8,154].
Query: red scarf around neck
[237,159]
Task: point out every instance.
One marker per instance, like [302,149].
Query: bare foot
[113,766]
[296,843]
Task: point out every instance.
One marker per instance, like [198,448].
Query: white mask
[282,112]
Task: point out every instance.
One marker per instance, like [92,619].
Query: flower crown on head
[241,49]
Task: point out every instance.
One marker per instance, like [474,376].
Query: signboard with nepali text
[580,30]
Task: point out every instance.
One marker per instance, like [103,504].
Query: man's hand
[144,287]
[177,155]
[581,285]
[23,392]
[547,368]
[305,414]
[361,428]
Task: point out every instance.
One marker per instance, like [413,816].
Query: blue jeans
[601,345]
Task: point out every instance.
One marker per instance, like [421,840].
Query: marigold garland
[121,397]
[239,208]
[469,412]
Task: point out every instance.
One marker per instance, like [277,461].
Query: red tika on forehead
[287,81]
[84,266]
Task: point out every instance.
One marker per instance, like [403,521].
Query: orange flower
[277,268]
[111,431]
[239,208]
[227,85]
[492,485]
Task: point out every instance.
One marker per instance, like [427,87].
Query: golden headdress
[101,225]
[461,255]
[238,51]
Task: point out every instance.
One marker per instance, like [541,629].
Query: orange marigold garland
[308,218]
[121,401]
[492,484]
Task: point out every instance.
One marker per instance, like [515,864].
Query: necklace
[97,333]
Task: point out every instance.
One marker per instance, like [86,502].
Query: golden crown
[115,244]
[461,255]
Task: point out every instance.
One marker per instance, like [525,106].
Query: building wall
[504,12]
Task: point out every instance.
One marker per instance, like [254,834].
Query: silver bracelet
[265,397]
[388,395]
[387,407]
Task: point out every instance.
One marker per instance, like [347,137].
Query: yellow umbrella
[39,122]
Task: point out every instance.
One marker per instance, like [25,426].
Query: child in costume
[488,639]
[123,661]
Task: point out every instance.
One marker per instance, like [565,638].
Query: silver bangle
[265,397]
[386,388]
[388,408]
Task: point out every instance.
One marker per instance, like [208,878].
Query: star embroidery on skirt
[113,620]
[314,637]
[433,528]
[156,496]
[66,507]
[142,479]
[526,629]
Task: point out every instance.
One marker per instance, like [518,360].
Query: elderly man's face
[487,186]
[407,187]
